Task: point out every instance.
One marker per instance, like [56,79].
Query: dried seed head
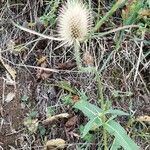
[74,22]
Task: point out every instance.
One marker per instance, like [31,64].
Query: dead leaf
[70,124]
[43,74]
[72,134]
[9,69]
[55,144]
[9,81]
[145,12]
[72,121]
[75,98]
[10,96]
[40,71]
[143,118]
[56,117]
[66,65]
[87,58]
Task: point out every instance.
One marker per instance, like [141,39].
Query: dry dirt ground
[12,117]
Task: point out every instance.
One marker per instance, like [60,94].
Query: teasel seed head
[74,22]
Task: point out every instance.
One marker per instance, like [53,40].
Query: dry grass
[125,75]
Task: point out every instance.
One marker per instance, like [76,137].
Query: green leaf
[88,137]
[117,112]
[33,114]
[121,136]
[95,122]
[115,145]
[24,98]
[42,130]
[133,10]
[67,100]
[50,111]
[89,110]
[148,1]
[83,95]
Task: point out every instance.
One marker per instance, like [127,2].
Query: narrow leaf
[121,136]
[115,145]
[89,110]
[91,124]
[83,95]
[117,112]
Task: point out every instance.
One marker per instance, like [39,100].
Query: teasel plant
[74,24]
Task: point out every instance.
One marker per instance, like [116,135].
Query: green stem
[100,91]
[117,5]
[119,39]
[105,137]
[77,55]
[100,88]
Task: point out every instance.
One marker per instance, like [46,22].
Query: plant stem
[77,55]
[104,134]
[117,5]
[99,82]
[100,91]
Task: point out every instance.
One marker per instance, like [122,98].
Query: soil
[12,115]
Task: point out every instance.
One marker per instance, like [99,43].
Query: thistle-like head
[74,22]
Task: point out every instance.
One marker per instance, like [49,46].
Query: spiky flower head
[74,22]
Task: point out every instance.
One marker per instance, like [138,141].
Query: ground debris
[71,123]
[56,117]
[55,144]
[10,96]
[143,118]
[42,73]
